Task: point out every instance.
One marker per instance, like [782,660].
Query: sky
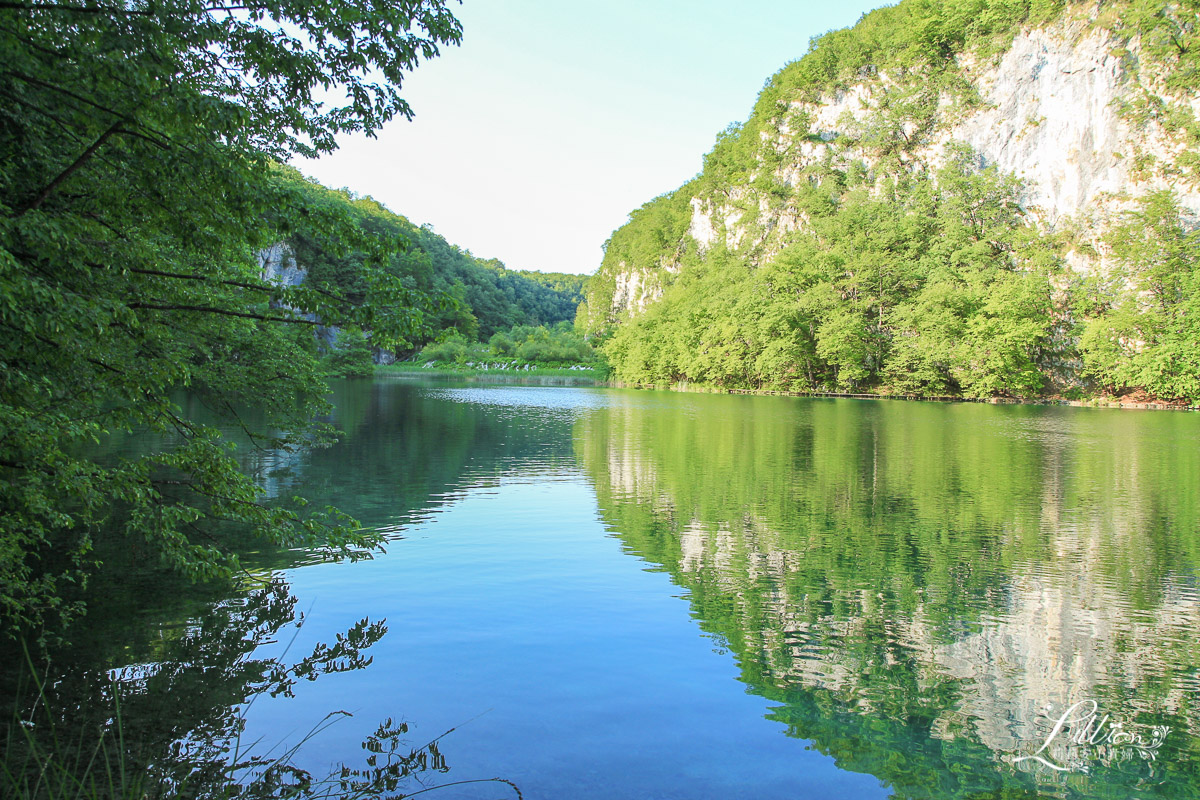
[534,139]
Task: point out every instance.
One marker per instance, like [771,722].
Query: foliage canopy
[137,184]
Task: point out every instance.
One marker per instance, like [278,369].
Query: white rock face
[831,116]
[1051,116]
[637,288]
[701,229]
[278,264]
[1054,121]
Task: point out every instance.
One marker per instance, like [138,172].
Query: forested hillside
[478,297]
[953,197]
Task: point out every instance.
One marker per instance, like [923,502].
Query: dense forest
[479,297]
[876,256]
[143,154]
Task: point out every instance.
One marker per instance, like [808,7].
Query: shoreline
[563,376]
[1097,402]
[587,377]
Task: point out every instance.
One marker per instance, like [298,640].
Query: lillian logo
[1082,735]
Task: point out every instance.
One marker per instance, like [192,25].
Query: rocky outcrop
[636,288]
[278,265]
[1063,109]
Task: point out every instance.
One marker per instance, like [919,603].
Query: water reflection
[170,724]
[405,451]
[918,590]
[924,589]
[160,675]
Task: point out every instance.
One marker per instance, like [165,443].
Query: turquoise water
[608,593]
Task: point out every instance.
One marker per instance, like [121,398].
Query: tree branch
[225,312]
[258,287]
[149,12]
[353,299]
[53,88]
[79,162]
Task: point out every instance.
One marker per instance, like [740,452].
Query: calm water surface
[621,594]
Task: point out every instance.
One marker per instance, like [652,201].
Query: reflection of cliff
[1061,640]
[950,570]
[401,451]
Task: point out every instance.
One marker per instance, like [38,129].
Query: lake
[603,593]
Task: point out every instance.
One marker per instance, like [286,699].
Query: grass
[92,765]
[595,372]
[43,756]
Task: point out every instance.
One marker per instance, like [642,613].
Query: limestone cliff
[278,265]
[1075,108]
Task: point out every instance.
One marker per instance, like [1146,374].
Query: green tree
[351,356]
[929,284]
[138,144]
[1143,322]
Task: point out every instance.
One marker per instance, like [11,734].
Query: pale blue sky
[534,140]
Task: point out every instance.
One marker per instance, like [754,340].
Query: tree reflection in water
[920,591]
[171,727]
